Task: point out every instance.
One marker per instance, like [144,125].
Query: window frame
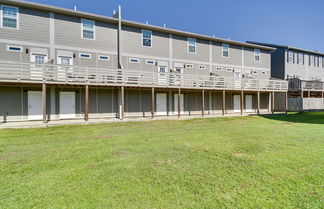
[131,60]
[320,61]
[311,60]
[100,57]
[190,45]
[82,57]
[255,55]
[9,50]
[94,29]
[153,62]
[300,55]
[290,52]
[223,50]
[17,17]
[142,39]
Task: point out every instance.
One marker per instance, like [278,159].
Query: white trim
[100,57]
[142,38]
[89,56]
[290,52]
[257,52]
[228,51]
[17,17]
[302,58]
[12,46]
[134,60]
[93,30]
[188,45]
[153,62]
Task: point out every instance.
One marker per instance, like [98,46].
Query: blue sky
[298,23]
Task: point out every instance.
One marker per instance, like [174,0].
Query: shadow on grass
[312,117]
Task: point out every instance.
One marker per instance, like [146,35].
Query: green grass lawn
[234,162]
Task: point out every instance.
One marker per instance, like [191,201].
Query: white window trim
[90,56]
[292,53]
[137,60]
[188,45]
[1,16]
[94,29]
[302,58]
[310,60]
[9,46]
[147,62]
[99,57]
[228,46]
[257,52]
[142,38]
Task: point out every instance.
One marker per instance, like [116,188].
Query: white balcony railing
[63,74]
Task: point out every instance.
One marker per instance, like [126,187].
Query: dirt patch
[239,154]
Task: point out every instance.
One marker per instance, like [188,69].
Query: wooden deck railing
[296,84]
[17,72]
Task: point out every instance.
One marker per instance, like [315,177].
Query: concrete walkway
[39,124]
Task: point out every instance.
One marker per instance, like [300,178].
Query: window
[225,50]
[189,66]
[300,58]
[40,59]
[219,69]
[320,62]
[14,48]
[146,38]
[201,66]
[88,29]
[103,57]
[133,60]
[230,70]
[9,17]
[150,62]
[290,56]
[192,45]
[257,56]
[311,60]
[85,56]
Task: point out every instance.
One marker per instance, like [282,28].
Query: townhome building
[58,63]
[304,69]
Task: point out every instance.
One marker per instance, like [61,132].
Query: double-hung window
[88,29]
[290,56]
[257,56]
[9,17]
[311,60]
[146,38]
[191,45]
[320,61]
[225,50]
[300,58]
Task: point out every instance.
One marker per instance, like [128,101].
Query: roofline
[71,12]
[286,47]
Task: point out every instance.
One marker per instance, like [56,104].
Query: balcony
[18,72]
[296,84]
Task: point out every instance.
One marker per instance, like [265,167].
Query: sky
[298,23]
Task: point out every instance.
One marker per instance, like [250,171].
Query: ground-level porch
[65,102]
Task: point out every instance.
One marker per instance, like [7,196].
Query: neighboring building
[57,63]
[304,69]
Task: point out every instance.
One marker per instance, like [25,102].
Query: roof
[286,47]
[103,18]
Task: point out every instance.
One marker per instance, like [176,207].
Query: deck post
[241,103]
[309,94]
[258,102]
[44,102]
[286,102]
[322,94]
[272,102]
[179,92]
[210,102]
[203,103]
[223,103]
[86,102]
[302,94]
[153,103]
[122,105]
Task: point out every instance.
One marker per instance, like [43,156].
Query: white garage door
[35,111]
[248,103]
[67,104]
[161,104]
[237,103]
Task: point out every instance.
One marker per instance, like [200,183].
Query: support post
[322,94]
[86,102]
[302,94]
[272,102]
[309,94]
[179,92]
[242,100]
[44,102]
[122,105]
[286,102]
[153,103]
[223,102]
[203,103]
[258,110]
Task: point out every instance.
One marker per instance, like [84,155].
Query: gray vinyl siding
[180,49]
[33,27]
[131,39]
[235,54]
[249,59]
[11,100]
[68,33]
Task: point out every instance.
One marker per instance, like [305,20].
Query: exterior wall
[278,61]
[305,104]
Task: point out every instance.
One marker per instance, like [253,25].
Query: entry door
[67,104]
[35,109]
[248,103]
[64,72]
[181,103]
[36,72]
[237,103]
[161,104]
[162,74]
